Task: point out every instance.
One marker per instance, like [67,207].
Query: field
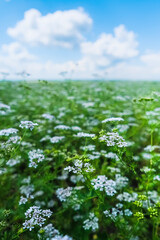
[79,160]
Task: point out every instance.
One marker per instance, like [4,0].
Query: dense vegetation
[79,160]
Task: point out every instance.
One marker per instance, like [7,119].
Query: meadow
[79,160]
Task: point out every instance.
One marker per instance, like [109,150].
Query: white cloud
[16,61]
[14,57]
[146,67]
[111,56]
[16,52]
[61,28]
[108,50]
[151,59]
[127,71]
[121,45]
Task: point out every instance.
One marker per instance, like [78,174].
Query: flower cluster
[35,156]
[116,212]
[13,140]
[56,139]
[127,197]
[88,148]
[62,127]
[112,156]
[79,167]
[27,193]
[4,109]
[121,181]
[51,233]
[48,116]
[4,106]
[113,139]
[113,119]
[102,183]
[9,131]
[63,194]
[12,162]
[35,216]
[85,135]
[91,222]
[28,125]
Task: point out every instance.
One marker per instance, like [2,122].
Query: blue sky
[90,48]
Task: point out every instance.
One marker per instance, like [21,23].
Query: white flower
[51,203]
[35,156]
[88,147]
[7,132]
[103,184]
[91,222]
[99,182]
[4,106]
[50,232]
[113,139]
[146,156]
[118,119]
[27,190]
[26,180]
[76,128]
[3,170]
[13,139]
[35,216]
[39,193]
[146,169]
[23,200]
[88,167]
[79,167]
[82,134]
[113,213]
[4,109]
[12,162]
[127,197]
[88,104]
[119,205]
[56,139]
[64,193]
[121,181]
[150,148]
[28,125]
[77,178]
[122,127]
[48,116]
[62,127]
[112,156]
[128,212]
[157,178]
